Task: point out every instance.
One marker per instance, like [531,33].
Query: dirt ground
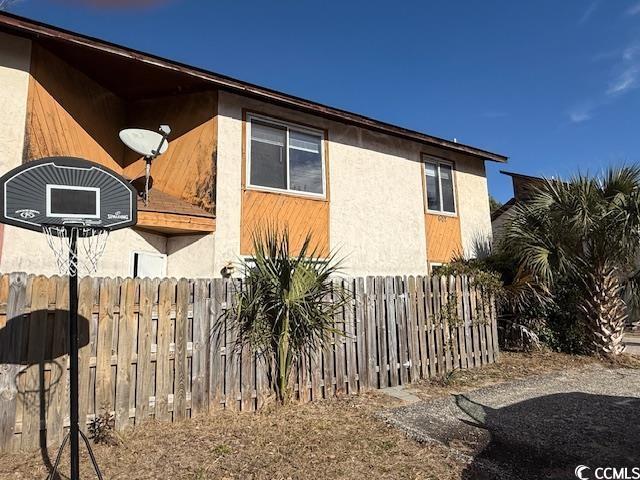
[342,438]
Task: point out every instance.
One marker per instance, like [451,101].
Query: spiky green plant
[585,231]
[287,303]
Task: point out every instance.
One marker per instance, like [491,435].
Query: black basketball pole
[74,428]
[73,353]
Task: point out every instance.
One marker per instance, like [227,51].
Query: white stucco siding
[15,61]
[27,251]
[228,180]
[377,212]
[191,256]
[473,205]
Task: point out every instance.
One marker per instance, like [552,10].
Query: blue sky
[552,84]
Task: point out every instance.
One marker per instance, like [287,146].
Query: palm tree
[584,231]
[286,305]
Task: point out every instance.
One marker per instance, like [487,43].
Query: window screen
[268,158]
[446,182]
[433,186]
[305,162]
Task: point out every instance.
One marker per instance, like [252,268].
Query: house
[391,200]
[523,188]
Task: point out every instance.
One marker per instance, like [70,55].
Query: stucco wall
[27,251]
[377,213]
[228,180]
[15,58]
[191,256]
[474,210]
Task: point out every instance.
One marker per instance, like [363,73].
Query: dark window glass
[305,162]
[433,186]
[446,182]
[268,156]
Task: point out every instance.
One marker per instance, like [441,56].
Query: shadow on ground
[548,436]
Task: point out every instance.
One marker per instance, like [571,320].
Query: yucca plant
[286,305]
[584,232]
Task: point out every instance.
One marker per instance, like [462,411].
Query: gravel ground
[539,427]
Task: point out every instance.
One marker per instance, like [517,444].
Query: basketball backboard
[60,191]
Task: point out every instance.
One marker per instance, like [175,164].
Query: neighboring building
[240,156]
[523,188]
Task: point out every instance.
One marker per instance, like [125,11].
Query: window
[146,264]
[439,186]
[434,267]
[250,262]
[285,157]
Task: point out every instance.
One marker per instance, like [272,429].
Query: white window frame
[438,161]
[250,259]
[287,126]
[132,257]
[433,265]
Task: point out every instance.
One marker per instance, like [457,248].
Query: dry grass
[510,367]
[339,439]
[335,439]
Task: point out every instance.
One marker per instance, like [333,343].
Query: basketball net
[91,242]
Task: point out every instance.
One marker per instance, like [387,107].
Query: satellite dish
[145,142]
[149,144]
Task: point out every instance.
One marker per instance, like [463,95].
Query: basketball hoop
[90,245]
[75,203]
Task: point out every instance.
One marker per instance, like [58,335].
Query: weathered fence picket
[161,348]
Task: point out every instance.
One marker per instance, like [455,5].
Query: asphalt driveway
[536,428]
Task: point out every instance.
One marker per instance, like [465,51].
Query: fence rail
[148,350]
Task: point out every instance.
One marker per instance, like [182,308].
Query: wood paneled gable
[187,169]
[70,113]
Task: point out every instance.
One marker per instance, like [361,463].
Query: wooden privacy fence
[148,350]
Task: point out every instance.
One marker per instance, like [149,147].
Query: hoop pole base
[54,469]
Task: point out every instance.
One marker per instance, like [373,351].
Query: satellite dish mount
[149,144]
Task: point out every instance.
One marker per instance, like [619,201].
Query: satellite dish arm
[165,130]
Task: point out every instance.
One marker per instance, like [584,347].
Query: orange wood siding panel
[443,237]
[187,169]
[300,215]
[70,114]
[170,223]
